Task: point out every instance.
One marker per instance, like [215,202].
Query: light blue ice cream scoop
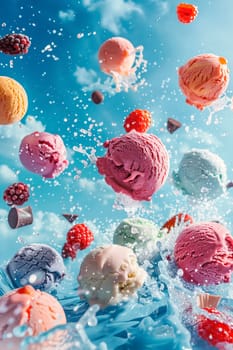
[201,174]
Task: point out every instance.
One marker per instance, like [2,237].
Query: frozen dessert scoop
[13,101]
[203,79]
[38,311]
[110,274]
[201,174]
[43,153]
[38,265]
[139,234]
[135,164]
[204,252]
[116,55]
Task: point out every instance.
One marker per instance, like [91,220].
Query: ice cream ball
[201,175]
[116,55]
[110,274]
[38,265]
[38,311]
[13,101]
[44,154]
[136,164]
[204,252]
[139,234]
[203,79]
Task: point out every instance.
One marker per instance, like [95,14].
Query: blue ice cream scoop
[201,174]
[39,265]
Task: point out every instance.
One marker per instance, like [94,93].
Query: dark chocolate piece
[230,184]
[173,125]
[97,97]
[19,217]
[70,217]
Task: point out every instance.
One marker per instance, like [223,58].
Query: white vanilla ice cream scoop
[109,275]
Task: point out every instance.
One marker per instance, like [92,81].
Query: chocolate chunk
[173,125]
[19,217]
[229,185]
[97,97]
[70,217]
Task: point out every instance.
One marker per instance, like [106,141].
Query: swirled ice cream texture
[201,174]
[135,164]
[204,252]
[203,79]
[110,274]
[44,154]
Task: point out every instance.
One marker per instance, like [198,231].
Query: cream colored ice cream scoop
[110,274]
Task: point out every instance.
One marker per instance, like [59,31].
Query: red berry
[139,120]
[14,44]
[215,331]
[79,237]
[186,13]
[68,251]
[16,194]
[177,220]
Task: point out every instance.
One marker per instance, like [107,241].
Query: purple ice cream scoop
[38,265]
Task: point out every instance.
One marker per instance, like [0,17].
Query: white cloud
[66,16]
[85,76]
[4,227]
[48,225]
[201,137]
[87,185]
[7,175]
[11,136]
[88,78]
[112,12]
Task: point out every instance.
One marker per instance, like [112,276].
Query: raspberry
[17,194]
[139,120]
[14,44]
[215,331]
[177,220]
[68,251]
[79,237]
[186,13]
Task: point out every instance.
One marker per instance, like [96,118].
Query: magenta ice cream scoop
[135,164]
[204,252]
[43,153]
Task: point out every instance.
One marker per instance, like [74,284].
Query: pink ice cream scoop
[116,55]
[203,79]
[43,153]
[205,253]
[37,310]
[135,164]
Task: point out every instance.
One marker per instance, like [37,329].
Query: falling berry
[15,44]
[186,13]
[217,330]
[16,194]
[139,120]
[68,251]
[177,220]
[79,237]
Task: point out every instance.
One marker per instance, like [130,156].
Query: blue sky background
[56,73]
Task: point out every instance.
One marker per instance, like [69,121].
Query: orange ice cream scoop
[26,306]
[13,101]
[116,55]
[203,79]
